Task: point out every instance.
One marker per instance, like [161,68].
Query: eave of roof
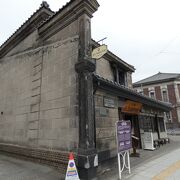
[112,57]
[151,80]
[122,91]
[44,12]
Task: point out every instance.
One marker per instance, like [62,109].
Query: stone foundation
[49,157]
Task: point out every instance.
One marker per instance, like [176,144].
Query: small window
[154,124]
[119,75]
[164,96]
[147,124]
[140,92]
[168,116]
[122,78]
[152,94]
[114,74]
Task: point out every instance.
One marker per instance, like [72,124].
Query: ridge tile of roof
[55,13]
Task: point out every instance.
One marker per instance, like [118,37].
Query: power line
[166,47]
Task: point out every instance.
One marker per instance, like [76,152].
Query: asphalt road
[15,169]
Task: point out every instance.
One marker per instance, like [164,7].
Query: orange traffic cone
[71,173]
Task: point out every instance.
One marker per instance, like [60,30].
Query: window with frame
[168,116]
[147,124]
[154,124]
[164,95]
[119,75]
[161,124]
[140,92]
[152,94]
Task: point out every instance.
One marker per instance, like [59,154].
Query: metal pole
[119,165]
[128,162]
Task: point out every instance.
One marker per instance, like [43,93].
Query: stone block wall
[58,119]
[38,96]
[106,118]
[38,103]
[15,98]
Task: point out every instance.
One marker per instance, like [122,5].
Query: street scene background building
[164,87]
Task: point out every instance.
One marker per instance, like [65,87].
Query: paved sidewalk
[140,164]
[174,131]
[167,166]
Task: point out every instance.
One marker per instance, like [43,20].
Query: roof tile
[158,77]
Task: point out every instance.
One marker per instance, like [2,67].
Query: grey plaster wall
[103,69]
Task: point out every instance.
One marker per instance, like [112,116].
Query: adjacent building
[54,98]
[164,87]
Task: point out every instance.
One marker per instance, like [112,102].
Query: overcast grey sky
[144,33]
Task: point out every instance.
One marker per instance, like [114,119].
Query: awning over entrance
[130,94]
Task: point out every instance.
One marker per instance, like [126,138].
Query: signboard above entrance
[99,51]
[131,107]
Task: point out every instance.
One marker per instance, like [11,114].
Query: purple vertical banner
[123,129]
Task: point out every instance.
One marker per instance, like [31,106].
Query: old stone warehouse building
[54,98]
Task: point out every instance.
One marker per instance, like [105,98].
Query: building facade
[54,98]
[164,87]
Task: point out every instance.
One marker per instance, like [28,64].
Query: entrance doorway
[135,126]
